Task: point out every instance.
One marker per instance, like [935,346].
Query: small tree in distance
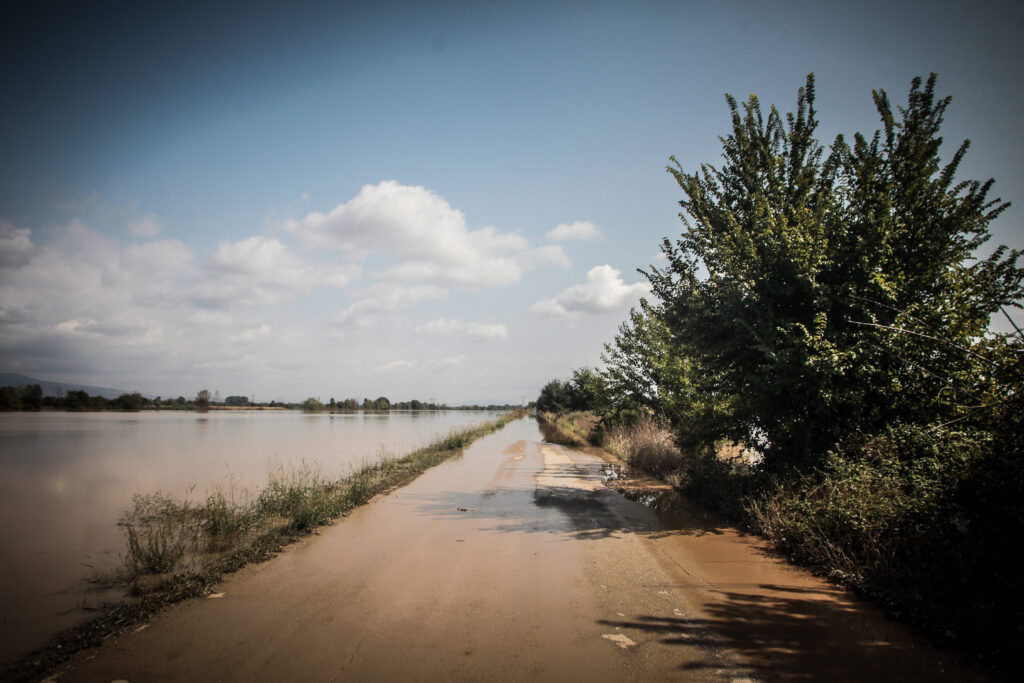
[203,400]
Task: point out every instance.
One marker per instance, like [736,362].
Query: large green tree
[820,295]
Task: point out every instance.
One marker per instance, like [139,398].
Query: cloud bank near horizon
[93,302]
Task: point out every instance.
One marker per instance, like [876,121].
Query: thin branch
[948,380]
[964,417]
[891,308]
[927,336]
[1019,333]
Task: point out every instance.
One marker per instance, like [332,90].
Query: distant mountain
[57,388]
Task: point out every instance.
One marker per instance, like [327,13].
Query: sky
[445,201]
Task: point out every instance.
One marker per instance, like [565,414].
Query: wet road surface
[516,562]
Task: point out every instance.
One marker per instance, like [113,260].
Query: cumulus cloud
[550,254]
[149,225]
[601,291]
[474,331]
[16,248]
[420,230]
[386,298]
[394,365]
[578,230]
[262,270]
[84,300]
[84,296]
[249,335]
[449,362]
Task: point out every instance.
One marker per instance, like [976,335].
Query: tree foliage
[820,296]
[313,405]
[585,390]
[830,307]
[203,400]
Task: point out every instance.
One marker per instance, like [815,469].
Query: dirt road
[515,562]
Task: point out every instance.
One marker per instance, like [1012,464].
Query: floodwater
[67,478]
[517,562]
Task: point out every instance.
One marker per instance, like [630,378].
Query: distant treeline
[29,397]
[382,403]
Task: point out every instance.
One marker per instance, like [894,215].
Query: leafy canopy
[820,296]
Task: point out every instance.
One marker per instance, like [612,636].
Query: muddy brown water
[517,562]
[66,479]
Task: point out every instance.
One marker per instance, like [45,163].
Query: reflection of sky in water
[66,479]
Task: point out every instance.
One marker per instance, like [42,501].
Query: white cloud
[84,302]
[399,364]
[386,298]
[233,362]
[578,230]
[249,335]
[149,225]
[602,290]
[263,271]
[450,362]
[474,331]
[16,248]
[427,237]
[549,254]
[83,299]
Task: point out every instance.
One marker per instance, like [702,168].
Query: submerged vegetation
[817,361]
[179,549]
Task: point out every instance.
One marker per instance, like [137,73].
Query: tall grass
[646,444]
[159,531]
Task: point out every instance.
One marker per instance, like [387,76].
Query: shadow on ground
[790,633]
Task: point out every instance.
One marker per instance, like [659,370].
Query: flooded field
[66,479]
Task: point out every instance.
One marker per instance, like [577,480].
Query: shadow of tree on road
[790,633]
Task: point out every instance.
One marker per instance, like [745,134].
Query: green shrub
[924,520]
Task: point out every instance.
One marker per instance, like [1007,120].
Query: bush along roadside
[178,550]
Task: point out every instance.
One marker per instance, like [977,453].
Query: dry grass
[646,444]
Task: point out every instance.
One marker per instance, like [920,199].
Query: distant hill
[57,388]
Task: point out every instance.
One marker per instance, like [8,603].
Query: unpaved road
[515,562]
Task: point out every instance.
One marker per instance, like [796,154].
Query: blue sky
[343,200]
